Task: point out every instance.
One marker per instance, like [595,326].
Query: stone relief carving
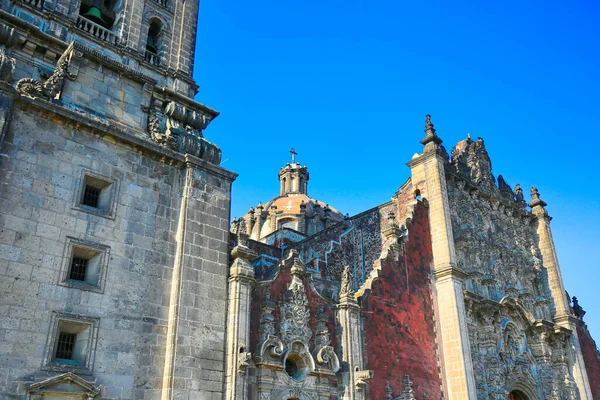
[295,314]
[7,66]
[243,362]
[509,351]
[52,87]
[175,126]
[362,378]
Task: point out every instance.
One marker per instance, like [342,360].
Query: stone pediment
[67,385]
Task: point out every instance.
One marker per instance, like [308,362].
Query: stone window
[85,265]
[287,223]
[96,194]
[72,342]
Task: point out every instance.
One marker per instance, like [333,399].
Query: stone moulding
[67,384]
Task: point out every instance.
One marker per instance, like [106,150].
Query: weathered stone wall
[104,92]
[398,319]
[42,171]
[44,156]
[591,358]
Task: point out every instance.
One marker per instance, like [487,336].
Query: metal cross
[293,155]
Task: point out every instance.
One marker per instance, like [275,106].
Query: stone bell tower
[114,264]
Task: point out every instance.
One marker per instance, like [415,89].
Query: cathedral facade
[123,277]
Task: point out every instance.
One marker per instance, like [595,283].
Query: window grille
[91,196]
[65,345]
[78,268]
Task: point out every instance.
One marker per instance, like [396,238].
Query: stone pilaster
[302,218]
[241,282]
[428,176]
[560,307]
[355,378]
[198,285]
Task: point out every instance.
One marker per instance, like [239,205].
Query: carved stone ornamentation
[52,87]
[243,362]
[505,189]
[180,129]
[362,378]
[471,159]
[295,314]
[7,65]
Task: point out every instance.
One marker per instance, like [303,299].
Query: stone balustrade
[95,30]
[152,58]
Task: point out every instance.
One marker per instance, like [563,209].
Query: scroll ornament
[181,129]
[52,87]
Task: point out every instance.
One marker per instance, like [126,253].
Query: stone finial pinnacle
[535,198]
[431,141]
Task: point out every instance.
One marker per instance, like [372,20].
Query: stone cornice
[421,158]
[449,272]
[112,63]
[126,135]
[186,101]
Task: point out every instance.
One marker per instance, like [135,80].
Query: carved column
[428,176]
[560,306]
[355,378]
[241,282]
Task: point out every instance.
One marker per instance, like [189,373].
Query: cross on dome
[294,154]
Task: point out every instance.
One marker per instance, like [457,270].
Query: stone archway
[516,395]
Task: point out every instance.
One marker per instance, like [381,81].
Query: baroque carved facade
[122,276]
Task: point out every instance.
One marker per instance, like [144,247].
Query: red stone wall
[591,359]
[398,319]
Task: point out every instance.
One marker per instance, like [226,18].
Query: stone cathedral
[122,275]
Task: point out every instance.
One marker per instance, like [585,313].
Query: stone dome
[292,210]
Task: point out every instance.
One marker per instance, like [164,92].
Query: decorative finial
[469,136]
[346,291]
[298,267]
[388,391]
[535,196]
[409,393]
[430,135]
[294,154]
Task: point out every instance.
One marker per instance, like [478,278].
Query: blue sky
[348,83]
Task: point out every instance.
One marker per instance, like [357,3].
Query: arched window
[153,41]
[287,223]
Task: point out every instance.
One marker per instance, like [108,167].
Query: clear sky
[348,83]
